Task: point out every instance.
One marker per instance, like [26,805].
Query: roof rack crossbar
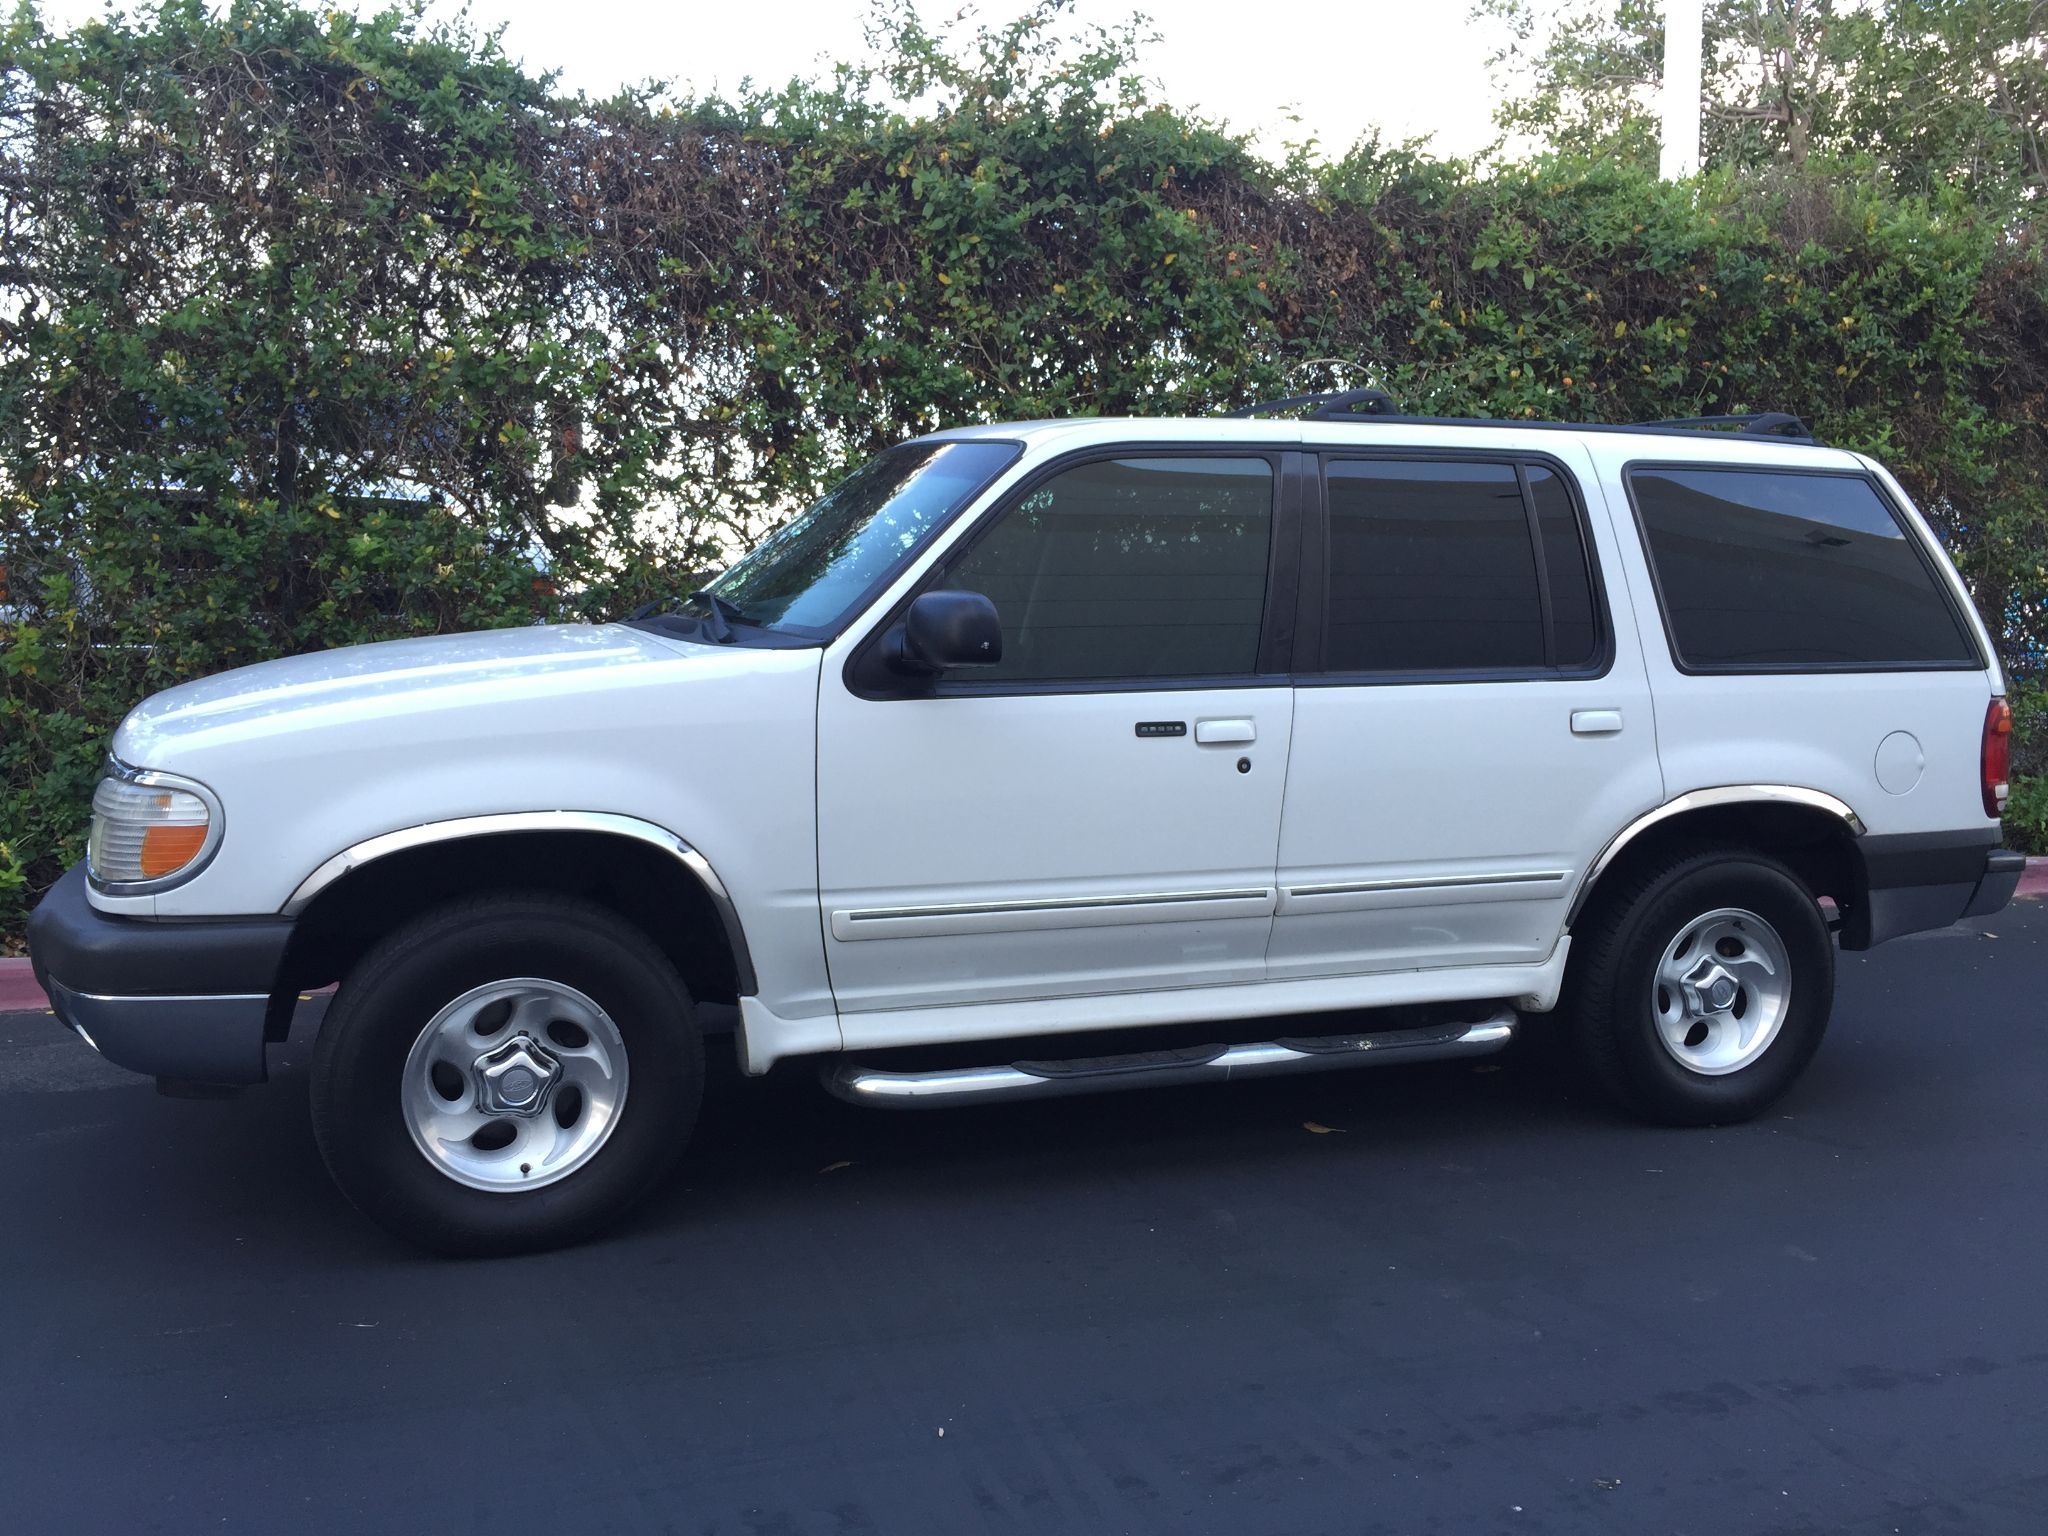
[1329,406]
[1752,424]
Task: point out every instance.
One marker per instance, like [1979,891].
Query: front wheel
[505,1074]
[1701,989]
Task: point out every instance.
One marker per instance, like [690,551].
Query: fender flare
[608,823]
[1701,799]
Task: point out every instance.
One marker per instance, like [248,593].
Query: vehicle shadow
[780,1148]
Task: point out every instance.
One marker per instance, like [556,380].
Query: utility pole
[1684,41]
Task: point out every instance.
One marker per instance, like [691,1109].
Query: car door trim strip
[1056,904]
[1433,882]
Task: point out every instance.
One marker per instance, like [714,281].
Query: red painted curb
[18,990]
[20,994]
[2035,881]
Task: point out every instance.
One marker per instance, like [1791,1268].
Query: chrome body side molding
[606,822]
[1433,882]
[1050,912]
[1701,799]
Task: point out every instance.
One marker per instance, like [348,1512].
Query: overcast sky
[1410,69]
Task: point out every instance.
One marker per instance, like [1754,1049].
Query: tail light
[1997,755]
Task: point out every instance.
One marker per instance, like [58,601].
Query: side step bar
[858,1084]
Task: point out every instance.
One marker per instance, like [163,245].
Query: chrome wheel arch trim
[1702,799]
[608,823]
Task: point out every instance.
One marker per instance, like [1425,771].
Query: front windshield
[810,573]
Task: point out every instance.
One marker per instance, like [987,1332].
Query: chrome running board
[859,1084]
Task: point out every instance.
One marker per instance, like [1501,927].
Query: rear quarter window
[1762,570]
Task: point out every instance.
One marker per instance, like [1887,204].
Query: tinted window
[1152,567]
[1760,569]
[1572,618]
[1431,568]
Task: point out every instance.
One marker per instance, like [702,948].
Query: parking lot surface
[1449,1299]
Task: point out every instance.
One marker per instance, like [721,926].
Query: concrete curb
[20,994]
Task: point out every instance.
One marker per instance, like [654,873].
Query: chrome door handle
[1219,733]
[1596,722]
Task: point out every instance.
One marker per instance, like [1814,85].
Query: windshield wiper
[722,613]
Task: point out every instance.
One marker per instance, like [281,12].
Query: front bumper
[185,999]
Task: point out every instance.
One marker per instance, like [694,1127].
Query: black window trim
[1278,629]
[1930,561]
[1310,671]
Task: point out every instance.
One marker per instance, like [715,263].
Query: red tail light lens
[1997,758]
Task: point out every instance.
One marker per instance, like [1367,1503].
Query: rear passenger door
[1471,722]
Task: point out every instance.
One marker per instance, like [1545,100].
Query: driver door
[1099,811]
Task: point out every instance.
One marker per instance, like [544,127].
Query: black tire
[396,989]
[1609,1011]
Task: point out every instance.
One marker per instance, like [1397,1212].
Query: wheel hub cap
[514,1084]
[1721,991]
[515,1078]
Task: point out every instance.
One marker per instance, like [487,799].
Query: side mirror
[949,629]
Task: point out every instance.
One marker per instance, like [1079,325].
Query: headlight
[149,830]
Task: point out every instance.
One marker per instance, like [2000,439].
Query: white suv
[1069,755]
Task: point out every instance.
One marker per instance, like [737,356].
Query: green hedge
[316,329]
[2026,813]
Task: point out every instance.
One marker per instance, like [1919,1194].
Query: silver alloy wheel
[1721,991]
[515,1084]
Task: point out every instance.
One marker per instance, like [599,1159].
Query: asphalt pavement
[1435,1299]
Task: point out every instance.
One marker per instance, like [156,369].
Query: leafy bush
[316,329]
[2026,816]
[2026,811]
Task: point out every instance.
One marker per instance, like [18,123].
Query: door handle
[1596,722]
[1222,733]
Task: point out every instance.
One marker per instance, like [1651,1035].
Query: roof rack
[1351,404]
[1330,406]
[1753,424]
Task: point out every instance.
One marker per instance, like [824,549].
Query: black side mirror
[949,629]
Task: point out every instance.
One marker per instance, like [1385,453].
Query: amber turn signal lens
[166,850]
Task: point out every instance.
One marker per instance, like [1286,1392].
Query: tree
[1956,91]
[1929,94]
[310,324]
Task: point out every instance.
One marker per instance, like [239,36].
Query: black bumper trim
[1920,881]
[174,998]
[1895,859]
[2002,873]
[187,1039]
[73,942]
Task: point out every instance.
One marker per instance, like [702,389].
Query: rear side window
[1448,566]
[1781,571]
[1129,569]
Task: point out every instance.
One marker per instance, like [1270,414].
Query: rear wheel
[505,1074]
[1701,988]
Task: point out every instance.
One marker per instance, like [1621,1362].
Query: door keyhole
[1244,765]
